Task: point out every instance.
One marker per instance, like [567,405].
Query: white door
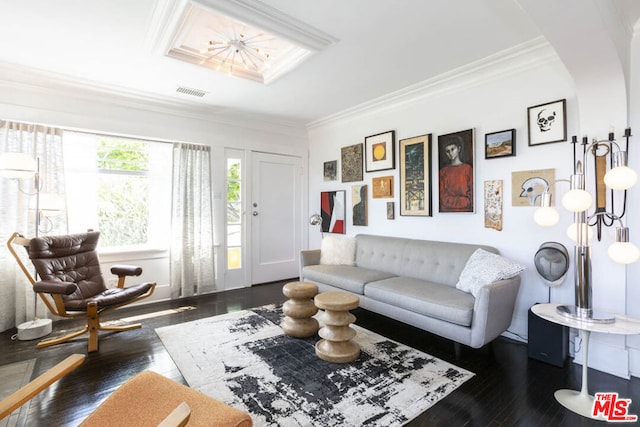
[276,212]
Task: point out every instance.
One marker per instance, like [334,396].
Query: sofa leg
[457,349]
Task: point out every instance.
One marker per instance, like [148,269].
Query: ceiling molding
[525,56]
[41,83]
[270,19]
[169,14]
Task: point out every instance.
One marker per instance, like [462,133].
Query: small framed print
[500,144]
[382,187]
[380,152]
[351,161]
[330,170]
[547,123]
[493,204]
[391,210]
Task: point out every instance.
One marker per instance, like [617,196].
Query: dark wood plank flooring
[508,389]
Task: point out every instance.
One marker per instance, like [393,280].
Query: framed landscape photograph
[500,144]
[351,158]
[379,151]
[547,123]
[456,172]
[415,176]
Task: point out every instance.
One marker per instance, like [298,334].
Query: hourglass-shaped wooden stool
[336,345]
[299,309]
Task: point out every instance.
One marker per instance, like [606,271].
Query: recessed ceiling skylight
[226,43]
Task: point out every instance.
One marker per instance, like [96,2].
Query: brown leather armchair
[71,283]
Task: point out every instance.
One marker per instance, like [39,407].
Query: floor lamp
[578,200]
[22,167]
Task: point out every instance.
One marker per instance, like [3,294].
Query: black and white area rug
[245,360]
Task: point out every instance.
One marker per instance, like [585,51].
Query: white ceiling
[382,46]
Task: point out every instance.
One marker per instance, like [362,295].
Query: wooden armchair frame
[55,303]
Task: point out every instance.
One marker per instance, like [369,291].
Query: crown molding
[169,14]
[510,61]
[40,83]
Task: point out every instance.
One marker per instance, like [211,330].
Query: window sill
[130,253]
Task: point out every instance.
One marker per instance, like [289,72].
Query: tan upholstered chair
[71,283]
[147,399]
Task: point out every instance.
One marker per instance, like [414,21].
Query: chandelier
[247,52]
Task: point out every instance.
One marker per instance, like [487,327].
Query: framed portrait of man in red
[455,172]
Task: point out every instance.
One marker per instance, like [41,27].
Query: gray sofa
[414,281]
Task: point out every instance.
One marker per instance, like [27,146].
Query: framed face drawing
[455,172]
[547,123]
[528,186]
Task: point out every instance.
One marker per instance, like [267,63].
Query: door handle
[255,213]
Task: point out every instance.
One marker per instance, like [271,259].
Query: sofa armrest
[309,257]
[493,310]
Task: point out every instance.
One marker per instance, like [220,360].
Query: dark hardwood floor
[508,388]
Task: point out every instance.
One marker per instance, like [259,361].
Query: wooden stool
[299,309]
[336,345]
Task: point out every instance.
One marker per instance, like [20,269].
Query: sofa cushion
[345,277]
[427,298]
[439,262]
[338,251]
[484,268]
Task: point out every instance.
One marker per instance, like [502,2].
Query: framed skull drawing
[547,122]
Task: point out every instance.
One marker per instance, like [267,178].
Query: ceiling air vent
[193,92]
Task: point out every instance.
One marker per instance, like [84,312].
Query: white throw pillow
[483,268]
[338,251]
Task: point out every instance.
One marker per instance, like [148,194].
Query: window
[119,186]
[234,217]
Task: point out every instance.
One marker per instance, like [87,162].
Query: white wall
[491,98]
[69,107]
[633,270]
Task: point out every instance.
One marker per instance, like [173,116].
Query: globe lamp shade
[577,200]
[621,178]
[624,252]
[546,216]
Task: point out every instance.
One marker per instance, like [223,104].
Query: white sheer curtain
[18,212]
[192,249]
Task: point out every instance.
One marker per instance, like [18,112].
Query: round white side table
[581,402]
